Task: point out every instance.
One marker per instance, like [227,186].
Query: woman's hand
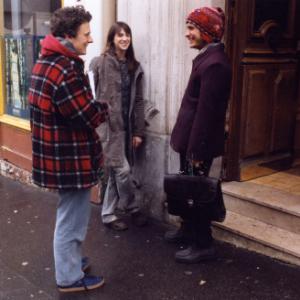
[136,141]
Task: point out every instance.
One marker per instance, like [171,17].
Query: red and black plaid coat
[67,153]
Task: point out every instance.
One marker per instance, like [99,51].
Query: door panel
[284,103]
[255,129]
[261,43]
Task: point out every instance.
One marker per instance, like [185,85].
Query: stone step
[263,203]
[258,236]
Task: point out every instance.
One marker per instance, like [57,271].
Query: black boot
[174,236]
[195,254]
[201,246]
[179,235]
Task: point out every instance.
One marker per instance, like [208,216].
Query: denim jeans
[72,218]
[119,193]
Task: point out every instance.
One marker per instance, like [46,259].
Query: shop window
[26,22]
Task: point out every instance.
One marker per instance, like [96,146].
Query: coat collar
[115,60]
[210,49]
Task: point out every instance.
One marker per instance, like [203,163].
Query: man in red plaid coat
[67,154]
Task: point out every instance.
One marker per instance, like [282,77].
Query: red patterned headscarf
[210,21]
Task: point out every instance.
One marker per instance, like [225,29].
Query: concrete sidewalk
[136,264]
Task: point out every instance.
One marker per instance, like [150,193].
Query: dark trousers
[197,224]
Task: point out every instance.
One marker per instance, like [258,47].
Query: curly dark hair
[67,20]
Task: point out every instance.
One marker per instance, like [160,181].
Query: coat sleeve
[208,123]
[75,102]
[139,109]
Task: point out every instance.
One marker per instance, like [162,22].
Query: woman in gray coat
[118,81]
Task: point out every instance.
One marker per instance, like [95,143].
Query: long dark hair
[110,46]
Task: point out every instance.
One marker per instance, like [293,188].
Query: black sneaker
[85,284]
[194,254]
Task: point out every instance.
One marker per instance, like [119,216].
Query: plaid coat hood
[66,151]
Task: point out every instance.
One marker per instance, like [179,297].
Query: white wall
[158,28]
[158,34]
[103,13]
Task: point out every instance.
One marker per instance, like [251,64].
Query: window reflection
[26,22]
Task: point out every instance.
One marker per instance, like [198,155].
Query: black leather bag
[186,193]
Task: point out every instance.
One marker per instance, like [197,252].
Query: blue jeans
[72,218]
[119,193]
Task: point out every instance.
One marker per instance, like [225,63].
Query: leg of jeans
[111,199]
[127,201]
[72,217]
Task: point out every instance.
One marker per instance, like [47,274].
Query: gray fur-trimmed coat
[107,79]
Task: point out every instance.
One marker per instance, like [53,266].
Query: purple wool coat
[199,131]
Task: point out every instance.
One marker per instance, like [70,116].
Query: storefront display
[25,24]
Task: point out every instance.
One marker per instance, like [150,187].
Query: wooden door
[262,113]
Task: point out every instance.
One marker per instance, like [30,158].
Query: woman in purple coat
[198,134]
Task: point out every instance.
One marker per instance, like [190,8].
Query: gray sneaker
[117,225]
